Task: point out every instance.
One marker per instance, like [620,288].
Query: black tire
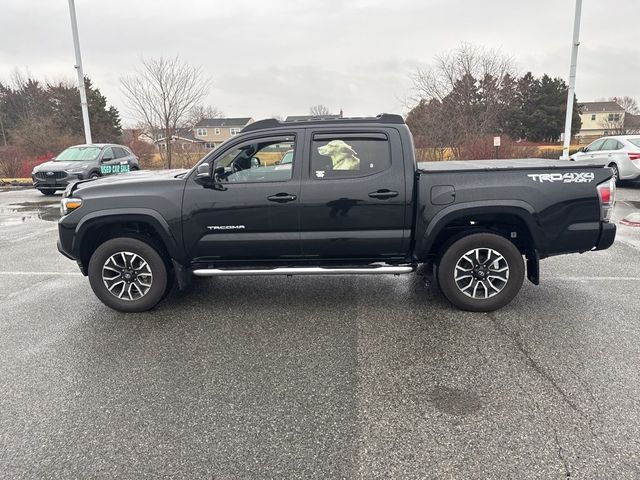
[498,292]
[94,175]
[47,191]
[156,266]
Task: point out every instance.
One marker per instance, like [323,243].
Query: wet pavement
[370,377]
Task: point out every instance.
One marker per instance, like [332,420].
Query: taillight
[607,197]
[634,156]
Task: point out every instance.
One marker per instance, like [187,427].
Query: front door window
[259,161]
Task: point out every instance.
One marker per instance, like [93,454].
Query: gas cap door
[443,194]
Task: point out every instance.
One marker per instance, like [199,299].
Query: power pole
[78,66]
[572,81]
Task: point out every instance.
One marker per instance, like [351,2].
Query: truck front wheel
[128,274]
[481,272]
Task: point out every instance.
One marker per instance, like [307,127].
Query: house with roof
[183,139]
[205,135]
[600,119]
[213,131]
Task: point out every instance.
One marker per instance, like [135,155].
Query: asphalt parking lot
[316,377]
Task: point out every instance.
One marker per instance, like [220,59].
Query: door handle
[281,198]
[383,194]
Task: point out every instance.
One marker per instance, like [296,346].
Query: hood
[52,166]
[124,179]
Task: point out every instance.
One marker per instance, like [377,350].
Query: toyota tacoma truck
[328,197]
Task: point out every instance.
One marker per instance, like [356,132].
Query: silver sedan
[621,153]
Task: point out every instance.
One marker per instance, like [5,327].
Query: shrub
[11,159]
[481,147]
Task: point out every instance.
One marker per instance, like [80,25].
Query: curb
[632,220]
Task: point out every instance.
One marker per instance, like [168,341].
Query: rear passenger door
[609,150]
[353,195]
[109,163]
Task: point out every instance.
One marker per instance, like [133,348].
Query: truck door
[251,211]
[353,195]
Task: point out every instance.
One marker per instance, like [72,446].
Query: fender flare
[119,215]
[518,208]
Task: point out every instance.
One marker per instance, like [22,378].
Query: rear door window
[336,156]
[611,144]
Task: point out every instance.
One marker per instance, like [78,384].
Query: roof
[184,134]
[591,107]
[97,145]
[223,122]
[388,118]
[298,118]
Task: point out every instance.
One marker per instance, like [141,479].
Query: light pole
[78,66]
[572,81]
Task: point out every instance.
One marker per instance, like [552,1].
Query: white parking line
[589,279]
[72,274]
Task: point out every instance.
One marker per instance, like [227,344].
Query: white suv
[621,153]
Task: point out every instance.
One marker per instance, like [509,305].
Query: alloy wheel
[481,273]
[127,276]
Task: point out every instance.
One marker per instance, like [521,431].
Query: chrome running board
[214,272]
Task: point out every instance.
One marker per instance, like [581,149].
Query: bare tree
[629,104]
[613,125]
[438,80]
[461,93]
[319,110]
[162,93]
[200,112]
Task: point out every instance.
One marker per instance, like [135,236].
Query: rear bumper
[607,236]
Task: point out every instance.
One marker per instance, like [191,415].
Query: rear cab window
[348,155]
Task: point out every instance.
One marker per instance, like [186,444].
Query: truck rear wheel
[481,272]
[128,275]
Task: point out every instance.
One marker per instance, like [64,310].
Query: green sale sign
[109,169]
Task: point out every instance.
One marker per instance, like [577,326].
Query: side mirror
[106,159]
[203,171]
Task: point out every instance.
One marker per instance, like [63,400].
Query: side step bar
[214,272]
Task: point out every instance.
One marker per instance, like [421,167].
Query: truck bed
[496,165]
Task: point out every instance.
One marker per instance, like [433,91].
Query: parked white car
[621,153]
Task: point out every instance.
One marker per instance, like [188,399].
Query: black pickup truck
[329,197]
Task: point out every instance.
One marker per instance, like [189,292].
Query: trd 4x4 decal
[570,177]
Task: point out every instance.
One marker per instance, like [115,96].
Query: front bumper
[64,247]
[54,182]
[607,236]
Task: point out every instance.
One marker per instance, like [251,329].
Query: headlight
[69,204]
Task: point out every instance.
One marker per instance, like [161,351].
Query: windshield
[635,141]
[78,154]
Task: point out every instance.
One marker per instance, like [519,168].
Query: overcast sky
[278,57]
